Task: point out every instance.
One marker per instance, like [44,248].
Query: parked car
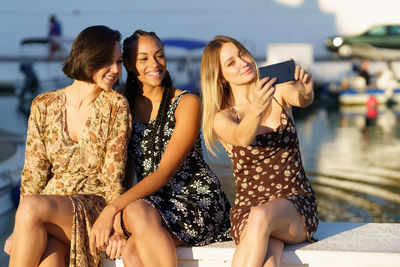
[378,42]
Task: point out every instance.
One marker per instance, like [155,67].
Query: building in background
[256,23]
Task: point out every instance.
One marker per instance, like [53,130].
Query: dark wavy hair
[133,88]
[92,49]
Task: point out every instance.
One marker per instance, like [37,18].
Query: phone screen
[283,71]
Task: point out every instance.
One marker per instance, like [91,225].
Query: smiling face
[236,66]
[150,61]
[106,76]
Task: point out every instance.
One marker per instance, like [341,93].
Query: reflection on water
[353,163]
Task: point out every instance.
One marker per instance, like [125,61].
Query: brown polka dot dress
[268,169]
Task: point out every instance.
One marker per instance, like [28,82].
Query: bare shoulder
[188,101]
[223,126]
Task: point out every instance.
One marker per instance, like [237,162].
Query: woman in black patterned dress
[178,199]
[274,201]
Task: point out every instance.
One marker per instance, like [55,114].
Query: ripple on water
[354,169]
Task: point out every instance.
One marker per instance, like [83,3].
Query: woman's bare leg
[36,217]
[130,256]
[55,253]
[274,252]
[278,218]
[144,222]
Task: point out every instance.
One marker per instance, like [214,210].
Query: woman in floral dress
[252,118]
[178,199]
[75,156]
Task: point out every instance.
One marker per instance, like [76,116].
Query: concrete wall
[339,245]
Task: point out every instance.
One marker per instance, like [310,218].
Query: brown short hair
[91,50]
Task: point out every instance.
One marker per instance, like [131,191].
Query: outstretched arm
[300,92]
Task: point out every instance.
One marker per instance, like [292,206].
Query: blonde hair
[215,93]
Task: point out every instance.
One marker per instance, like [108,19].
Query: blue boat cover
[184,43]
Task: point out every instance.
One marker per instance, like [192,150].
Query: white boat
[355,97]
[10,171]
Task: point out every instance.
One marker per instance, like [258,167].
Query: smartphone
[283,71]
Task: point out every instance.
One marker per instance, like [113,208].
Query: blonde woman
[252,119]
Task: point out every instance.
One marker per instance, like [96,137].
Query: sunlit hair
[91,50]
[214,91]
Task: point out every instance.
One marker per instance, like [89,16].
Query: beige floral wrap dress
[90,171]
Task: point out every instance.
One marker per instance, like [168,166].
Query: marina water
[353,167]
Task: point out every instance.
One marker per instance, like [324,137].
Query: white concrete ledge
[340,244]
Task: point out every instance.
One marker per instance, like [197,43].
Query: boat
[10,172]
[38,48]
[184,57]
[352,96]
[354,90]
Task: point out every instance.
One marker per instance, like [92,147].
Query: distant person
[75,153]
[54,35]
[252,118]
[30,86]
[177,199]
[362,70]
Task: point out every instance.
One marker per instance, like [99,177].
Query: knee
[259,222]
[140,217]
[30,210]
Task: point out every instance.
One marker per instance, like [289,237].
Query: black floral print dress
[192,204]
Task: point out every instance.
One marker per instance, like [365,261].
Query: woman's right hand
[115,244]
[8,244]
[101,229]
[263,94]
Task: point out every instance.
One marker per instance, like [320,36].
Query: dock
[24,58]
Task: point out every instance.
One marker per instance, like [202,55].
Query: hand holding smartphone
[283,71]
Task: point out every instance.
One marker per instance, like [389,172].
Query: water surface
[353,167]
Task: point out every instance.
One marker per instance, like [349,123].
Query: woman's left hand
[304,81]
[8,245]
[102,229]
